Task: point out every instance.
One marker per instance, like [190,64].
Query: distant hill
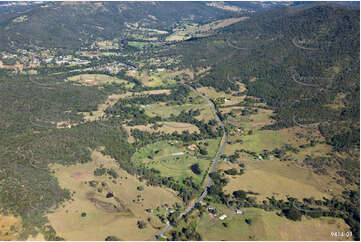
[72,24]
[317,43]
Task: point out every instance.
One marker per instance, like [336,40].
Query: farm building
[239,211]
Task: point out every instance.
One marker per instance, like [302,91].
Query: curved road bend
[214,165]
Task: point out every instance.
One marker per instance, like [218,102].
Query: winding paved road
[214,165]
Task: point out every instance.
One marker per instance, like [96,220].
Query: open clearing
[174,158]
[253,121]
[221,23]
[165,111]
[38,237]
[137,44]
[153,78]
[274,178]
[280,179]
[10,226]
[94,115]
[98,79]
[186,31]
[267,226]
[257,142]
[98,224]
[261,140]
[212,93]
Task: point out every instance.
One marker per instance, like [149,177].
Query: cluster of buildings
[66,60]
[113,67]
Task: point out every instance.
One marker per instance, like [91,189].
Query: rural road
[214,165]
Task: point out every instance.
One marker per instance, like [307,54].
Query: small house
[212,210]
[192,147]
[239,212]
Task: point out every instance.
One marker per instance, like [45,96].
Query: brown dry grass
[230,109]
[221,23]
[98,224]
[6,222]
[279,179]
[111,100]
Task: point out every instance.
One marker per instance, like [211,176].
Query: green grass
[137,44]
[237,228]
[212,148]
[108,53]
[164,111]
[179,34]
[158,81]
[168,165]
[261,140]
[265,226]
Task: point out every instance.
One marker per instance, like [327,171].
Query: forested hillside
[308,54]
[70,25]
[106,105]
[303,62]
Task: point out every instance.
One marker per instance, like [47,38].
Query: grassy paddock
[98,224]
[98,79]
[267,226]
[172,160]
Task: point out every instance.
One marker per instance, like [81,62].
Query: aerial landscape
[170,120]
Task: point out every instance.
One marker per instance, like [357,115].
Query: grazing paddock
[267,226]
[262,140]
[173,159]
[97,79]
[274,178]
[314,151]
[99,222]
[256,121]
[165,111]
[230,109]
[212,93]
[153,79]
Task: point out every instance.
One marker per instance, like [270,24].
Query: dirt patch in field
[90,82]
[81,175]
